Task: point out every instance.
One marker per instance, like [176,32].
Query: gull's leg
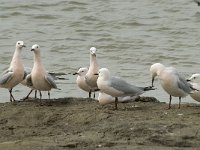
[179,106]
[170,99]
[94,95]
[49,95]
[49,99]
[116,102]
[28,95]
[40,97]
[90,93]
[35,94]
[11,96]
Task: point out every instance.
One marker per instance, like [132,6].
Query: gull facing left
[41,80]
[195,81]
[15,73]
[27,80]
[117,87]
[171,81]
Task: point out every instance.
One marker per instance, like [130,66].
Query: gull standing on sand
[90,78]
[80,81]
[195,81]
[105,99]
[116,86]
[40,79]
[15,73]
[171,81]
[27,80]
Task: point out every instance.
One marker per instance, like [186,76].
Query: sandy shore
[77,123]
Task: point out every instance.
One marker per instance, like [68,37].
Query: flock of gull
[111,89]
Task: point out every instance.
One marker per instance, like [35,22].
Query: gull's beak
[32,49]
[188,80]
[152,81]
[75,73]
[23,45]
[96,74]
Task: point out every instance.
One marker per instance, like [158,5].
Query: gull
[105,99]
[27,80]
[198,2]
[90,78]
[80,81]
[15,73]
[116,86]
[39,77]
[171,81]
[194,80]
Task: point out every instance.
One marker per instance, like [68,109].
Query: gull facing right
[15,73]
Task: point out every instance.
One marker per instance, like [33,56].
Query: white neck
[38,61]
[16,57]
[93,63]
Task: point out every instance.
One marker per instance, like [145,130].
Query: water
[129,35]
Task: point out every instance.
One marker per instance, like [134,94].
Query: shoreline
[81,123]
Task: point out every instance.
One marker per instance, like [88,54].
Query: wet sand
[77,123]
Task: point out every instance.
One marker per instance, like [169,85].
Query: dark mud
[77,123]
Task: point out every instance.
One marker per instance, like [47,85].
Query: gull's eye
[194,77]
[18,43]
[37,47]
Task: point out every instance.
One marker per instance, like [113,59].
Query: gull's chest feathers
[38,78]
[82,84]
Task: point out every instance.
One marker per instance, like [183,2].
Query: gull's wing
[50,80]
[121,85]
[27,71]
[7,76]
[183,84]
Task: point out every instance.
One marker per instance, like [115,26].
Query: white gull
[90,78]
[195,81]
[105,99]
[39,77]
[171,81]
[15,73]
[117,87]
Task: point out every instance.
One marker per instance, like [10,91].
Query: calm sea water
[129,35]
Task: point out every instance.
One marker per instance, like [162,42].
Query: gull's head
[93,51]
[155,70]
[104,73]
[82,71]
[194,78]
[35,48]
[20,44]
